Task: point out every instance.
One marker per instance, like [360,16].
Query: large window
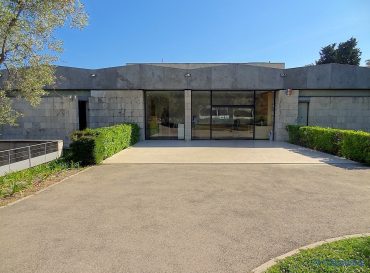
[232,114]
[201,115]
[165,114]
[232,97]
[264,120]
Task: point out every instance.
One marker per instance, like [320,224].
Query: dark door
[82,115]
[303,113]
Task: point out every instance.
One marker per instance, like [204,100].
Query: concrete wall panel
[53,118]
[112,107]
[286,113]
[340,112]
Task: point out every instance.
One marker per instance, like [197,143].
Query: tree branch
[11,24]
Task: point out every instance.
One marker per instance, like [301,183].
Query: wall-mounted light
[187,75]
[289,92]
[1,75]
[283,75]
[93,75]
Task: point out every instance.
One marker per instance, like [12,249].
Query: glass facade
[214,114]
[200,114]
[264,121]
[165,114]
[232,114]
[232,97]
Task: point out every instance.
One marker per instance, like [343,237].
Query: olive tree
[29,48]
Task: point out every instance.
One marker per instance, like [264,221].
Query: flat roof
[211,76]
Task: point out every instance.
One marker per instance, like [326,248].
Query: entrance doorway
[165,114]
[232,114]
[303,113]
[232,122]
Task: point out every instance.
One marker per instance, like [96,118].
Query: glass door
[165,114]
[232,122]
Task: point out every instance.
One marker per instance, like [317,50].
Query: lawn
[18,184]
[349,255]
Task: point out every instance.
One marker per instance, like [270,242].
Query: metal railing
[8,157]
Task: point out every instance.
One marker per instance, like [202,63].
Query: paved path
[217,151]
[126,217]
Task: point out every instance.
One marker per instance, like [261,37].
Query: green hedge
[293,133]
[92,146]
[322,139]
[354,145]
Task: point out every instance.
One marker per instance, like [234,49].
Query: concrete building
[199,101]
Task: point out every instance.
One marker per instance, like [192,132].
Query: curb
[44,189]
[262,268]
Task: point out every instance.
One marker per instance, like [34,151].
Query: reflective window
[201,114]
[232,122]
[264,114]
[165,114]
[232,98]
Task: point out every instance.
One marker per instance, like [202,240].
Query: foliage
[368,63]
[346,53]
[28,47]
[327,55]
[354,145]
[17,181]
[350,255]
[293,133]
[153,126]
[322,139]
[91,146]
[7,114]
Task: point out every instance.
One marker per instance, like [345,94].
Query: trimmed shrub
[354,145]
[293,131]
[321,139]
[92,146]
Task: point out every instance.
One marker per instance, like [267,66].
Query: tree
[28,48]
[346,53]
[327,55]
[368,63]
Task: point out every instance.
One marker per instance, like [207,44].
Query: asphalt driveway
[184,217]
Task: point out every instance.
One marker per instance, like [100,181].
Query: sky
[172,31]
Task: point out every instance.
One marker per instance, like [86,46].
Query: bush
[354,145]
[322,139]
[92,146]
[293,131]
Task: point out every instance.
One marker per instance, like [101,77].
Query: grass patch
[349,255]
[16,182]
